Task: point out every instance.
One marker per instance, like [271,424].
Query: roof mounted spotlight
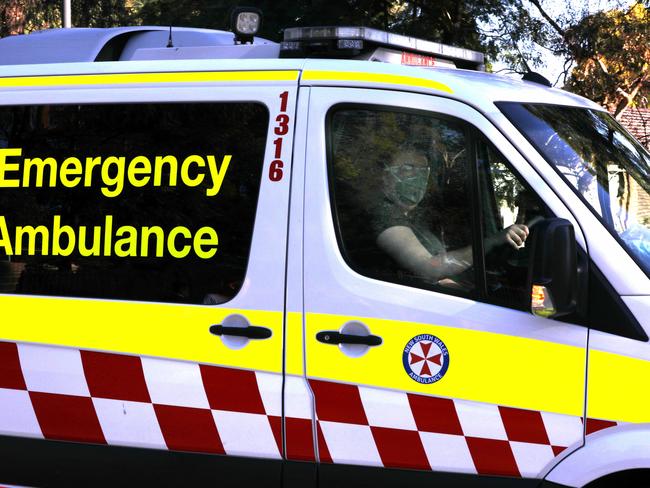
[245,22]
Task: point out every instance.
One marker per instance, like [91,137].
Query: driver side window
[422,200]
[400,181]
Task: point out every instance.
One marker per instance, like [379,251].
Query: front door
[420,351]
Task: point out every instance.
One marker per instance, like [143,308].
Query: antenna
[531,75]
[170,43]
[522,57]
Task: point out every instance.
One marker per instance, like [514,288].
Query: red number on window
[275,171]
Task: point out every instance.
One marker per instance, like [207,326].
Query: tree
[278,14]
[103,13]
[24,16]
[610,52]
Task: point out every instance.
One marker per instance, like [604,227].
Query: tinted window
[416,193]
[150,202]
[506,203]
[400,186]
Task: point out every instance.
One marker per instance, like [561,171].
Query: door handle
[250,331]
[334,337]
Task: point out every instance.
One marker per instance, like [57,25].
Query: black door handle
[251,331]
[334,337]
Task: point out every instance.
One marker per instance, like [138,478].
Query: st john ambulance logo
[425,358]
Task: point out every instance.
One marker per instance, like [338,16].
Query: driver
[404,230]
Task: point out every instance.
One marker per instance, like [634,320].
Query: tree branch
[601,64]
[549,19]
[628,98]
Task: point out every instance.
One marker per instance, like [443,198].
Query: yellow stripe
[483,366]
[618,387]
[374,78]
[170,331]
[132,78]
[294,344]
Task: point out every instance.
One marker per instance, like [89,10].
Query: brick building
[637,121]
[635,200]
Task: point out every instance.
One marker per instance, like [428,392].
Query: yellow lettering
[128,246]
[117,180]
[173,170]
[71,167]
[185,170]
[108,234]
[140,165]
[206,236]
[40,165]
[5,240]
[57,250]
[32,233]
[217,174]
[97,242]
[5,166]
[90,165]
[171,242]
[160,240]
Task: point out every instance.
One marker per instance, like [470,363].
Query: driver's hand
[516,235]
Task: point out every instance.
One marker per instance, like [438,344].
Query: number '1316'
[281,129]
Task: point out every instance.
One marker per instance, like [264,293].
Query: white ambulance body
[237,303]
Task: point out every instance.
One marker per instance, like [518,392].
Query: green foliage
[610,49]
[25,16]
[278,14]
[446,21]
[103,13]
[612,53]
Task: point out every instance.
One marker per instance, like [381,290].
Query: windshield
[604,164]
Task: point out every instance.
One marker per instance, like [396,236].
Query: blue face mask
[410,183]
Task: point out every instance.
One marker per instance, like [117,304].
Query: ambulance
[352,258]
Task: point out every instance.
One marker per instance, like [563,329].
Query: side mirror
[553,270]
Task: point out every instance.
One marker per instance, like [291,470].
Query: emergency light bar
[375,45]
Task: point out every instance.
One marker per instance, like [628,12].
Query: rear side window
[150,202]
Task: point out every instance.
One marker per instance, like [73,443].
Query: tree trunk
[628,98]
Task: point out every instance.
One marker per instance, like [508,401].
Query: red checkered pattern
[68,394]
[359,425]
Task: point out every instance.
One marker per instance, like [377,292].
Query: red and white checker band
[68,394]
[76,395]
[360,425]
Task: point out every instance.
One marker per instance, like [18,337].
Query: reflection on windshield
[606,166]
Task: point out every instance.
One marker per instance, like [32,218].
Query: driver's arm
[403,246]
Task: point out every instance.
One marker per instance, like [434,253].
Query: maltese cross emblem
[426,358]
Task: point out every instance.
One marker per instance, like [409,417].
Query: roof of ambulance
[475,87]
